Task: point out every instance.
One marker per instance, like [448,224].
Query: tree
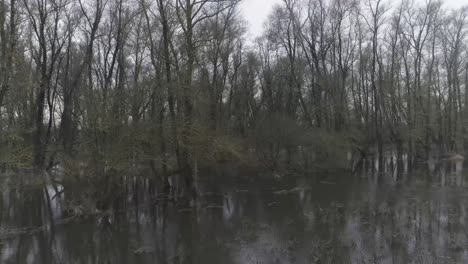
[50,31]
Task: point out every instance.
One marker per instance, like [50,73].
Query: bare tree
[46,19]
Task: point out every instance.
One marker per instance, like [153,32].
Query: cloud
[256,12]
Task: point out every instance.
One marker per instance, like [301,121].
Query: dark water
[362,218]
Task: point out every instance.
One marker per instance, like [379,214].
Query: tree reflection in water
[412,217]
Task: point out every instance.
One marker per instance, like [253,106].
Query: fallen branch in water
[29,230]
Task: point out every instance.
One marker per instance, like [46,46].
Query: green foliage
[16,151]
[119,147]
[325,150]
[279,140]
[214,146]
[272,135]
[18,157]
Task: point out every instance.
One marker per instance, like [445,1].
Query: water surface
[339,218]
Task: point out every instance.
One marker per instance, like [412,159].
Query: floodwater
[363,218]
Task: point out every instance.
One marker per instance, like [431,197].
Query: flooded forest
[158,131]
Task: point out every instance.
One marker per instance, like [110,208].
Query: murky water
[363,218]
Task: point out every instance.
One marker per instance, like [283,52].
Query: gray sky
[256,12]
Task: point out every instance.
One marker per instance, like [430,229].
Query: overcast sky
[256,12]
